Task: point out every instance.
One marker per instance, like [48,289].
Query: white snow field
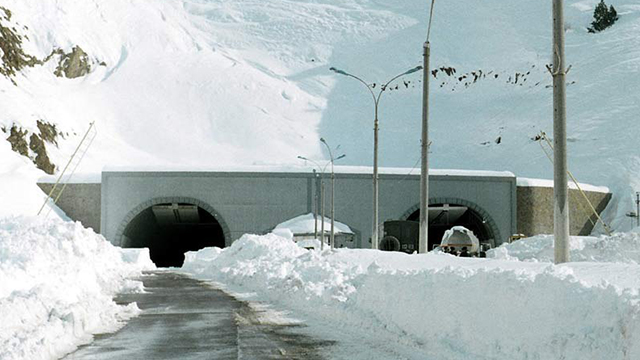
[437,306]
[57,281]
[618,248]
[19,193]
[226,82]
[201,83]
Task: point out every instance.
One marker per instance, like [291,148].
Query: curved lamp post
[333,192]
[321,170]
[376,102]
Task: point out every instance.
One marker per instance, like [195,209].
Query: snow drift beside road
[618,248]
[57,281]
[441,306]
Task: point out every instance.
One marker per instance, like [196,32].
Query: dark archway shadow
[171,229]
[443,217]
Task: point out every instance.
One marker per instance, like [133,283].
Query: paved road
[183,318]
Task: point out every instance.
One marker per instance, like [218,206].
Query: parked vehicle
[400,236]
[403,236]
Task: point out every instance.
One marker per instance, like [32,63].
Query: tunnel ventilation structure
[171,229]
[444,216]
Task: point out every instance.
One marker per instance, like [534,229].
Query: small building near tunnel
[309,227]
[173,211]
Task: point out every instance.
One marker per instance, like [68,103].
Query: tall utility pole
[561,203]
[374,234]
[322,214]
[424,169]
[423,239]
[315,207]
[637,208]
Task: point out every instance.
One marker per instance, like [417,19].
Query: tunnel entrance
[171,229]
[443,217]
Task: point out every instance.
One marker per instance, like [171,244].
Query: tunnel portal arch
[476,218]
[170,226]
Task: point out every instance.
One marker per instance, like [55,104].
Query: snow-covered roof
[304,224]
[80,178]
[528,182]
[95,178]
[308,168]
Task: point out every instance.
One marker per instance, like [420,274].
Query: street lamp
[321,169]
[333,186]
[376,102]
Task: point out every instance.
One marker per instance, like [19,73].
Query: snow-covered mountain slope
[222,82]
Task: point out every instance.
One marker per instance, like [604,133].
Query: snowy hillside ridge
[214,82]
[441,306]
[177,97]
[618,248]
[57,281]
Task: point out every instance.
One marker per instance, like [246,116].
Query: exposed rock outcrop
[13,57]
[35,149]
[36,144]
[17,139]
[73,64]
[48,132]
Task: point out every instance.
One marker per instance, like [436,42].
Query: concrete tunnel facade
[218,207]
[252,202]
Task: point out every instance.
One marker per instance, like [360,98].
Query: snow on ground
[620,248]
[436,306]
[57,281]
[19,194]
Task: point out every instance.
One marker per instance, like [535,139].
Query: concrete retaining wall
[535,210]
[81,202]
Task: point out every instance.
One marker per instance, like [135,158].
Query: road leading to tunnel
[184,318]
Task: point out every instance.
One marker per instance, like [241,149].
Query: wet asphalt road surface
[184,318]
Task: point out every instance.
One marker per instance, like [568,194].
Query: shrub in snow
[603,17]
[57,282]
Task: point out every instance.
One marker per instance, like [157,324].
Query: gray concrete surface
[184,318]
[535,210]
[255,202]
[81,202]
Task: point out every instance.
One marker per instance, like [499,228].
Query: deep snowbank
[19,194]
[618,248]
[442,306]
[57,281]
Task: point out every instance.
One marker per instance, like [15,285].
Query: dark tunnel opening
[443,217]
[170,230]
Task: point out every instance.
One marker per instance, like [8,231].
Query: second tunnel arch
[488,231]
